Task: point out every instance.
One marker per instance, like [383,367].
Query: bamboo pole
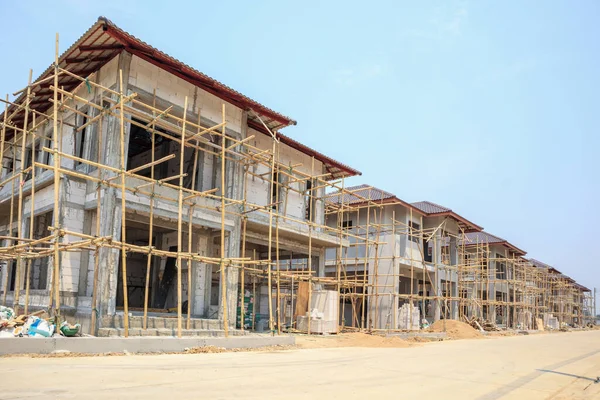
[190,236]
[396,277]
[20,201]
[179,217]
[2,139]
[242,276]
[366,266]
[150,222]
[56,214]
[97,251]
[270,244]
[310,228]
[223,272]
[278,279]
[189,268]
[338,255]
[278,283]
[291,296]
[31,220]
[123,211]
[253,293]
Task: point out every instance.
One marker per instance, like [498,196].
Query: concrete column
[110,206]
[454,277]
[321,263]
[453,251]
[201,275]
[234,189]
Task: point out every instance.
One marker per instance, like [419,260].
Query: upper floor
[414,233]
[168,103]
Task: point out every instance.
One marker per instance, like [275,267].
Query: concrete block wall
[259,190]
[383,304]
[169,87]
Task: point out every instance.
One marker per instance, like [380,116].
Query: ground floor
[152,279]
[518,367]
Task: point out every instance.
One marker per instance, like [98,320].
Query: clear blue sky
[489,108]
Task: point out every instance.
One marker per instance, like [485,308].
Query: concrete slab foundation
[94,345]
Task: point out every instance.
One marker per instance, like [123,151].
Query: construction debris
[482,325]
[37,324]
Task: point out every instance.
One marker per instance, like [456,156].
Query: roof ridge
[495,236]
[433,204]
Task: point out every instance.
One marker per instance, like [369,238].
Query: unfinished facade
[401,264]
[133,183]
[410,263]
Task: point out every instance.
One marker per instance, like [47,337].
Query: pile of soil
[354,339]
[456,329]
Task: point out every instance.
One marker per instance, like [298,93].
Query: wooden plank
[301,300]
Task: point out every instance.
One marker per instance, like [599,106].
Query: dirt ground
[355,339]
[553,366]
[455,330]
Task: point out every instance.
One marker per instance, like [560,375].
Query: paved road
[557,366]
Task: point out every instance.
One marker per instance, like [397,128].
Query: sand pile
[456,329]
[354,339]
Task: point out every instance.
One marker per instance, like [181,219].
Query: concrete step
[120,332]
[117,321]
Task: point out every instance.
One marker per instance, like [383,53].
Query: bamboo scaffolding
[363,281]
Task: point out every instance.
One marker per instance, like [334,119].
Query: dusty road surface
[556,366]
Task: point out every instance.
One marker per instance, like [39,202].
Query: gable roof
[104,40]
[362,194]
[335,168]
[539,264]
[432,209]
[559,274]
[473,238]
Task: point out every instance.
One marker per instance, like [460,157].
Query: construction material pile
[455,329]
[564,327]
[37,324]
[408,318]
[550,321]
[482,324]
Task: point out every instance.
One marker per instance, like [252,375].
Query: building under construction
[409,264]
[135,189]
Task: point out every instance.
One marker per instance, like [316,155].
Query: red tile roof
[433,209]
[363,194]
[430,208]
[473,238]
[335,168]
[553,270]
[539,264]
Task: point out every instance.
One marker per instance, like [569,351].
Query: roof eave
[473,227]
[187,73]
